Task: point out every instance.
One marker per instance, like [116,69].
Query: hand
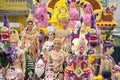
[4,71]
[23,75]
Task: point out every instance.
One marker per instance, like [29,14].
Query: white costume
[47,45]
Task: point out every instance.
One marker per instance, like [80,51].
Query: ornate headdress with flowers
[63,15]
[51,29]
[14,37]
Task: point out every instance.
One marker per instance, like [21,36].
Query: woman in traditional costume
[51,36]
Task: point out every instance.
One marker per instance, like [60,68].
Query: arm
[45,53]
[23,39]
[37,43]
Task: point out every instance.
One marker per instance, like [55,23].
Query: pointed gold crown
[30,17]
[14,37]
[63,15]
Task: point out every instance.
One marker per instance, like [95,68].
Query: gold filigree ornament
[63,15]
[14,36]
[30,17]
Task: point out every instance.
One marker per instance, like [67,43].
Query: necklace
[30,32]
[64,33]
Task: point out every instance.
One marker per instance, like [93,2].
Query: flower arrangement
[8,55]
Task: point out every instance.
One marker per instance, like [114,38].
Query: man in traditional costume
[107,62]
[65,32]
[30,37]
[57,57]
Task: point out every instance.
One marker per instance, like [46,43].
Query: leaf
[6,45]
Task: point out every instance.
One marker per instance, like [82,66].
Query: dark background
[116,54]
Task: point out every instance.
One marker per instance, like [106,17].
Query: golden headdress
[14,37]
[57,38]
[63,15]
[30,17]
[51,29]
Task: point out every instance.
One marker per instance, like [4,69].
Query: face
[57,45]
[64,24]
[51,36]
[13,43]
[29,25]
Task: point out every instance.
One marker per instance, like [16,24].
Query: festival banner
[14,5]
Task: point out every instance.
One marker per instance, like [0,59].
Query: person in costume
[57,57]
[65,34]
[44,44]
[30,37]
[51,36]
[107,62]
[20,63]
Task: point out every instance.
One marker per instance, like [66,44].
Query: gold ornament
[63,15]
[14,37]
[30,17]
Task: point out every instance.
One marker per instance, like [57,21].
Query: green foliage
[6,45]
[3,61]
[116,41]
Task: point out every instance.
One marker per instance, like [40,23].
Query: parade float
[98,22]
[68,40]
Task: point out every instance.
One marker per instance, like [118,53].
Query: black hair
[106,74]
[30,22]
[38,1]
[53,34]
[90,52]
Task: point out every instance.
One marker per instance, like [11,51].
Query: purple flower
[96,15]
[77,2]
[73,0]
[11,54]
[82,3]
[85,5]
[81,20]
[14,48]
[92,22]
[68,1]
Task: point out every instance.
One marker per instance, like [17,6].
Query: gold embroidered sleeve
[37,43]
[23,37]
